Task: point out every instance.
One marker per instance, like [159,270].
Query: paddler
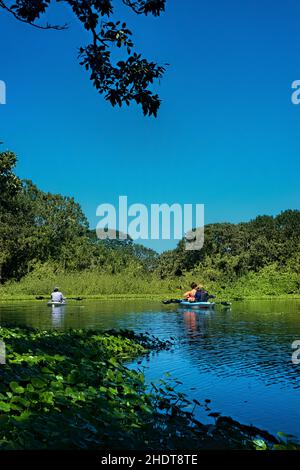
[57,296]
[190,295]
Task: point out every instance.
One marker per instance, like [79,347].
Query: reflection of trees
[254,340]
[86,314]
[248,344]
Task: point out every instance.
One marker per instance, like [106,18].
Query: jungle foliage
[45,239]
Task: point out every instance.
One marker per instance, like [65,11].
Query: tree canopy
[38,227]
[123,77]
[232,250]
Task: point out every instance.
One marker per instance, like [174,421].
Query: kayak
[185,303]
[56,304]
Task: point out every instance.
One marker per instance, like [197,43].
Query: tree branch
[125,81]
[133,6]
[22,20]
[143,7]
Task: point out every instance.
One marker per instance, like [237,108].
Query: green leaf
[4,406]
[16,388]
[38,383]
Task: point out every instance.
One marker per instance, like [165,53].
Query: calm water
[239,359]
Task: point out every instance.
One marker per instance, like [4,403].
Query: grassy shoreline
[269,283]
[131,297]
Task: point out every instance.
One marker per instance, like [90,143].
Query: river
[240,359]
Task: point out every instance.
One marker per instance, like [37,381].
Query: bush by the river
[270,281]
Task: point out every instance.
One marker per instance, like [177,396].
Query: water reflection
[230,346]
[195,322]
[58,315]
[241,359]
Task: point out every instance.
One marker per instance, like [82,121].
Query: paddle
[40,297]
[172,301]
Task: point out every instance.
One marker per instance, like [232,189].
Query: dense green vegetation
[45,240]
[38,228]
[232,251]
[72,389]
[68,390]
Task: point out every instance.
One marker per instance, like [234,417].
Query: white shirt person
[57,296]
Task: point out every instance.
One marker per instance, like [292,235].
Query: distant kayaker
[57,296]
[190,295]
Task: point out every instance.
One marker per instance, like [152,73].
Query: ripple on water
[240,359]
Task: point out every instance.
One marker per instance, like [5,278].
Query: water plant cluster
[72,390]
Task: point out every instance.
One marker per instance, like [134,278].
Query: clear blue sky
[226,114]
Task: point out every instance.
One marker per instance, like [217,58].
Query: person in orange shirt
[190,295]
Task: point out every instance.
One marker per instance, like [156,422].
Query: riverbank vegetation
[45,240]
[269,282]
[72,390]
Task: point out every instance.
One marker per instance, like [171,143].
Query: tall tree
[10,184]
[11,208]
[235,249]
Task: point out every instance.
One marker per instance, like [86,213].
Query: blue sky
[227,132]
